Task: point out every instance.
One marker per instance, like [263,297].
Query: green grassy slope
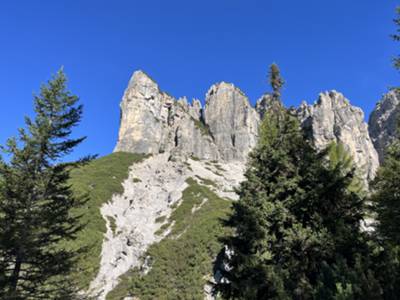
[100,179]
[182,262]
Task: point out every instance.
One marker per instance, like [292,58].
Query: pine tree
[297,223]
[386,185]
[338,155]
[275,80]
[396,37]
[36,201]
[386,195]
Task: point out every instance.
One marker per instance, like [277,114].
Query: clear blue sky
[187,46]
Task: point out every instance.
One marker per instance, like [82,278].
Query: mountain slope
[154,224]
[99,180]
[179,266]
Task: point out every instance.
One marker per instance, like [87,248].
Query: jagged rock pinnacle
[226,129]
[383,121]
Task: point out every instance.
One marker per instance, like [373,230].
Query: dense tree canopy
[297,223]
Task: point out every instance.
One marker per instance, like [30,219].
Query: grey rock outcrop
[153,122]
[332,118]
[232,121]
[226,129]
[264,104]
[382,121]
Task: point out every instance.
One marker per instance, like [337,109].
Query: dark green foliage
[386,196]
[338,155]
[204,129]
[99,179]
[297,233]
[396,36]
[36,200]
[181,264]
[275,80]
[386,185]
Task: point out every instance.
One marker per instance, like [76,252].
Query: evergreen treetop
[275,80]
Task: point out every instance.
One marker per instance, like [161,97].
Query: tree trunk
[15,277]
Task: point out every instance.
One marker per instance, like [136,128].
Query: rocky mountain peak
[226,128]
[382,121]
[232,121]
[154,122]
[143,84]
[333,118]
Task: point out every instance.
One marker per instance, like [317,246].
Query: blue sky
[188,45]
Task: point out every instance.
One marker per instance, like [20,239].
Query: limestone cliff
[333,118]
[226,129]
[382,121]
[232,121]
[154,122]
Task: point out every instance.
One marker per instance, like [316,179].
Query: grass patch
[206,181]
[219,168]
[161,219]
[135,180]
[204,129]
[113,225]
[215,172]
[100,179]
[182,261]
[163,228]
[188,166]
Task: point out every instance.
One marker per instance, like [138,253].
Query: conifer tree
[387,193]
[396,37]
[36,200]
[275,80]
[386,185]
[297,223]
[338,155]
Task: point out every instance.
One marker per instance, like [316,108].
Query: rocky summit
[333,118]
[154,122]
[226,128]
[382,122]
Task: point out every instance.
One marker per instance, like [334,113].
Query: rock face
[382,121]
[263,104]
[154,122]
[226,129]
[332,118]
[232,121]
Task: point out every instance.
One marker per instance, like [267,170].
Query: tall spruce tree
[386,185]
[297,223]
[275,80]
[386,194]
[396,37]
[36,200]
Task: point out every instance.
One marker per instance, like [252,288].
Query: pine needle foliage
[339,157]
[36,199]
[275,80]
[387,193]
[396,37]
[297,224]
